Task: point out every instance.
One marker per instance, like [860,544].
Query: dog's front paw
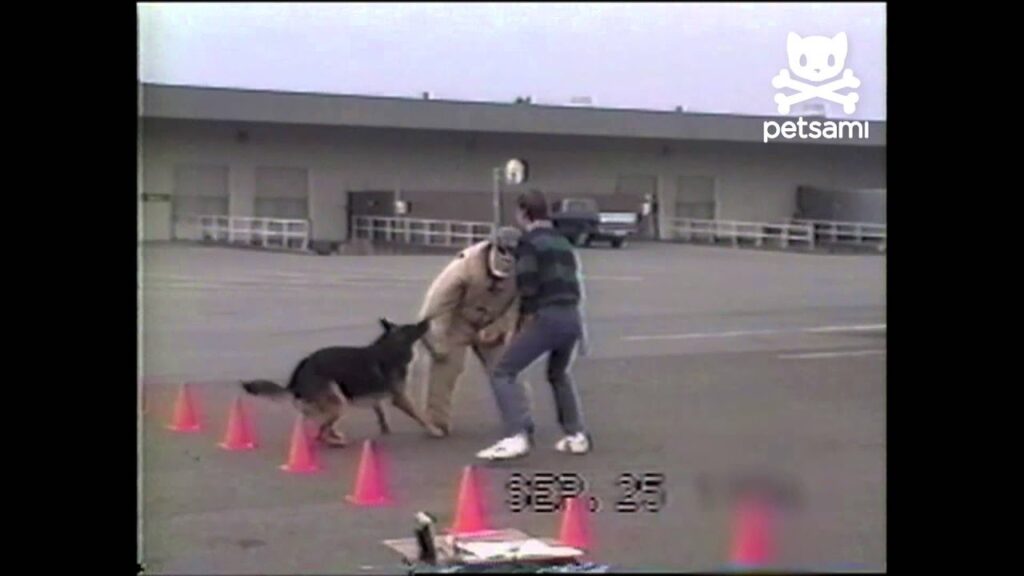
[333,441]
[436,431]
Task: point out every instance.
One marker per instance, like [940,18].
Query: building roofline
[294,107]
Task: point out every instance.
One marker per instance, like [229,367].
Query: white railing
[690,229]
[421,231]
[847,232]
[262,232]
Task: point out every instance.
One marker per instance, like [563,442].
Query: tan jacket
[464,299]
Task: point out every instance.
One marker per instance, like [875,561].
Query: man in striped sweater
[550,293]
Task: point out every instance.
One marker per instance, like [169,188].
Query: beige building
[325,158]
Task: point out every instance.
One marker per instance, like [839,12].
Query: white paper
[517,549]
[487,550]
[538,548]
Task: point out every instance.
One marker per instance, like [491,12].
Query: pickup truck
[580,220]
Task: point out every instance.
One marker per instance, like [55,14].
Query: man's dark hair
[534,204]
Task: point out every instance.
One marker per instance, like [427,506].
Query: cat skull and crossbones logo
[816,58]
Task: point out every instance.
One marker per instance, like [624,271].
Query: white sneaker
[511,447]
[577,443]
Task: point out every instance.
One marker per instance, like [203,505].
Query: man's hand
[524,322]
[490,336]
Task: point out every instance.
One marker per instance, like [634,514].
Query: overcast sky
[707,57]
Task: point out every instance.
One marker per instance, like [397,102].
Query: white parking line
[862,328]
[697,335]
[823,355]
[738,333]
[615,278]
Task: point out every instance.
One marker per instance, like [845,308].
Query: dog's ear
[421,327]
[388,326]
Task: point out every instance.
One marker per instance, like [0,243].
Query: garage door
[695,197]
[200,191]
[282,193]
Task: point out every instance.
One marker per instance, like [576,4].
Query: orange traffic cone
[574,531]
[185,417]
[753,543]
[301,459]
[371,484]
[470,517]
[239,435]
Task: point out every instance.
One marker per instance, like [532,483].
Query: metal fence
[283,233]
[739,232]
[848,233]
[803,233]
[421,231]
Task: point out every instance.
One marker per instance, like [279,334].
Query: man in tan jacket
[472,304]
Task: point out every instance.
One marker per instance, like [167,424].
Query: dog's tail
[267,389]
[274,391]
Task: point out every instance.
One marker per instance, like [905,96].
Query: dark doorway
[369,203]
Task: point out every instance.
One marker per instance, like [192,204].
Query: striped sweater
[546,270]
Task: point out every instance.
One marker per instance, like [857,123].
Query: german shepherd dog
[328,379]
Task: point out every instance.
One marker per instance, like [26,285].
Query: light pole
[515,171]
[497,197]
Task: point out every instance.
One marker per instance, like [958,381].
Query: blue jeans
[555,330]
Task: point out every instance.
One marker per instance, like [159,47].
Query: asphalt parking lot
[704,360]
